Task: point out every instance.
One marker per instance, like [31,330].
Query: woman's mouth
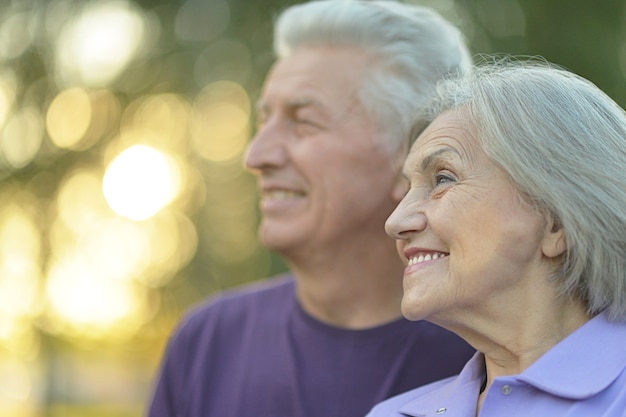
[425,257]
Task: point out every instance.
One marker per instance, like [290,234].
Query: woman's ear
[554,241]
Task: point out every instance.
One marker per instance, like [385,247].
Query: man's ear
[554,242]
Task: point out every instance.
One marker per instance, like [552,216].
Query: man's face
[325,172]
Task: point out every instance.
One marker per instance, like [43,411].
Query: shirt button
[506,390]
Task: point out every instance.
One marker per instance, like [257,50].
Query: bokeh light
[88,293]
[8,89]
[16,382]
[96,45]
[84,296]
[19,270]
[17,32]
[141,181]
[20,273]
[220,121]
[21,137]
[160,120]
[80,202]
[69,117]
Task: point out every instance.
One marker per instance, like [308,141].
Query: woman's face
[471,244]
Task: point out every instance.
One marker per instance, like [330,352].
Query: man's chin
[275,240]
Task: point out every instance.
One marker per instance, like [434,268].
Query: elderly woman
[514,235]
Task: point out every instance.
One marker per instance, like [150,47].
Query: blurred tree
[588,38]
[583,36]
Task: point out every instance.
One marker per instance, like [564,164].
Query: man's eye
[307,121]
[306,126]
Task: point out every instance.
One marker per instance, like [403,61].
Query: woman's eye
[442,178]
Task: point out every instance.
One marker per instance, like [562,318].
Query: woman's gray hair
[412,46]
[563,143]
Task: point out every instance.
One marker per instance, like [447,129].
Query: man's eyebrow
[430,158]
[300,102]
[262,106]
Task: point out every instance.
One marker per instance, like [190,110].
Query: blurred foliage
[123,198]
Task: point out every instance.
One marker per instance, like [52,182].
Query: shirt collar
[582,364]
[578,367]
[462,390]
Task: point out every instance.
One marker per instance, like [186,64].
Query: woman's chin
[410,312]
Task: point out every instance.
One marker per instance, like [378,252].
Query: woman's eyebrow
[430,158]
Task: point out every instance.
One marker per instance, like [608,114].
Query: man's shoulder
[239,303]
[274,288]
[264,288]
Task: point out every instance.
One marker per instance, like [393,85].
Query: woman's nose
[407,219]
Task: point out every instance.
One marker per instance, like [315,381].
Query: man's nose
[267,148]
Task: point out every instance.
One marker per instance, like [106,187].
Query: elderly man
[327,339]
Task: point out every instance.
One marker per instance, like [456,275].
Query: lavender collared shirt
[582,376]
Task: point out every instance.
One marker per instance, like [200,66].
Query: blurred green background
[123,199]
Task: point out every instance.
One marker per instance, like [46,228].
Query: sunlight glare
[82,296]
[118,239]
[99,44]
[19,283]
[15,380]
[140,181]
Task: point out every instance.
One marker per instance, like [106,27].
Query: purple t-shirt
[255,352]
